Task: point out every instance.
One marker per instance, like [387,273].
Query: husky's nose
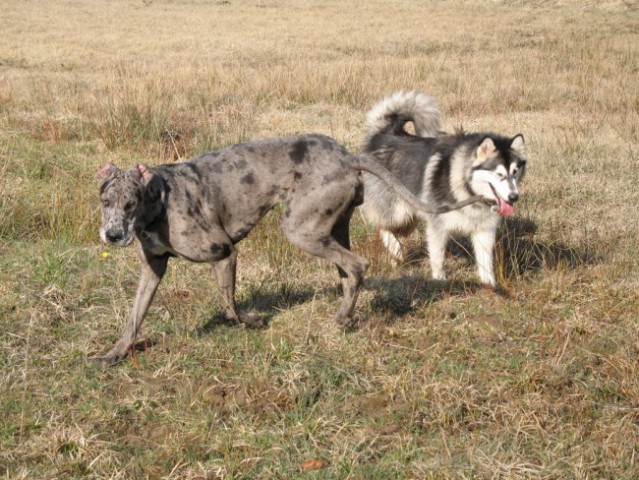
[114,236]
[513,197]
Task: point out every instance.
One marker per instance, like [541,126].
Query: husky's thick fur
[440,168]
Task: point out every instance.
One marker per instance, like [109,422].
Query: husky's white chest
[466,220]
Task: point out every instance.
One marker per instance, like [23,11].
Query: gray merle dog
[198,210]
[440,169]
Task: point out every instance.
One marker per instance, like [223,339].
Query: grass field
[440,380]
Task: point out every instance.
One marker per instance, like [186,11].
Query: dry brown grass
[440,381]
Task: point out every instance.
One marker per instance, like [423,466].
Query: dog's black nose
[114,236]
[513,197]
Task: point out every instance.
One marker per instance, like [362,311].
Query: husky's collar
[481,200]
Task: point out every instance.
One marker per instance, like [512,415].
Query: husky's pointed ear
[105,171]
[485,149]
[145,173]
[517,144]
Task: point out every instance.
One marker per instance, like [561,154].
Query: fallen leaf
[316,464]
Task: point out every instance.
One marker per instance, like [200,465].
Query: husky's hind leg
[389,240]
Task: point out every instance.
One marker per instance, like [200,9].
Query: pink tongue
[505,208]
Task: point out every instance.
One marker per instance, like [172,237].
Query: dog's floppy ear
[105,171]
[152,183]
[484,150]
[517,145]
[145,173]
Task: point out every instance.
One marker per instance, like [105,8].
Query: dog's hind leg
[153,269]
[389,240]
[326,236]
[341,233]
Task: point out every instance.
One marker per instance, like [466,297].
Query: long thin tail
[392,112]
[370,165]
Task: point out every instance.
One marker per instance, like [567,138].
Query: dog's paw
[106,360]
[439,277]
[347,323]
[252,320]
[500,291]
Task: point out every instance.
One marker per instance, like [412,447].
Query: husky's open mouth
[501,207]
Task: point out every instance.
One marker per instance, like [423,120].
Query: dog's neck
[154,197]
[481,203]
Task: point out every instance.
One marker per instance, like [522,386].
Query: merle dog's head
[122,201]
[499,164]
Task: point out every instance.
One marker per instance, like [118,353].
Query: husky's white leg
[392,244]
[484,246]
[437,239]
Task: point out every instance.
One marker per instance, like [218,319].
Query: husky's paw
[439,276]
[489,283]
[500,291]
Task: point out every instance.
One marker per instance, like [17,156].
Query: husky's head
[122,195]
[498,166]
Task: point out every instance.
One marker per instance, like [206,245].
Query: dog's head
[498,166]
[122,195]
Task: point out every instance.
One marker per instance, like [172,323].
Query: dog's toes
[100,362]
[347,324]
[105,361]
[252,320]
[501,291]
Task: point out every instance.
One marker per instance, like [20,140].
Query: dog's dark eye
[105,203]
[129,206]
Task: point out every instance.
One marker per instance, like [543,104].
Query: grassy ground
[440,380]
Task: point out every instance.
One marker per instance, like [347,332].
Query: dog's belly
[195,246]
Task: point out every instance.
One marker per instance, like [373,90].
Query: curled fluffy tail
[392,112]
[368,164]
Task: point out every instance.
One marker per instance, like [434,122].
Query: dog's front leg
[224,271]
[484,245]
[153,269]
[437,238]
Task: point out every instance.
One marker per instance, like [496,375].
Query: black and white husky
[439,169]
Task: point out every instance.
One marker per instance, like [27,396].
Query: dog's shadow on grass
[399,297]
[517,251]
[258,309]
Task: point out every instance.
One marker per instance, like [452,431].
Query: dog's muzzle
[504,207]
[116,237]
